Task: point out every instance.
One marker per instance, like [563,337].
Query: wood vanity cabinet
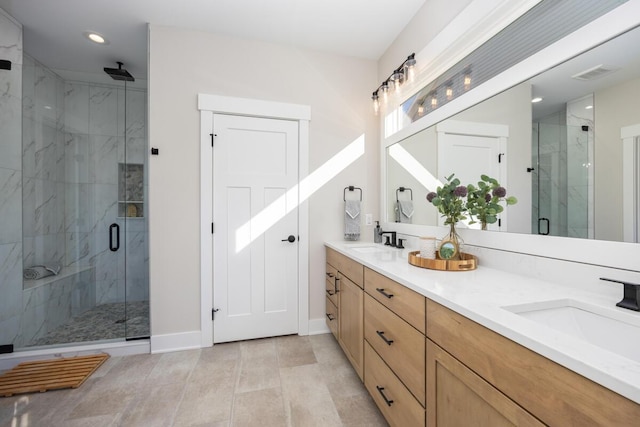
[465,359]
[419,354]
[394,324]
[348,279]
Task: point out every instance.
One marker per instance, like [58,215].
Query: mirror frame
[598,252]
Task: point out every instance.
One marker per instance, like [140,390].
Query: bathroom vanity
[461,348]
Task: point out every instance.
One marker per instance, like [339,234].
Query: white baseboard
[175,342]
[318,326]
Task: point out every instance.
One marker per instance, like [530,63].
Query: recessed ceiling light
[95,37]
[536,99]
[588,107]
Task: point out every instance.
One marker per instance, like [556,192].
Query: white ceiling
[53,28]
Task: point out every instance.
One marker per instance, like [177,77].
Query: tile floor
[284,381]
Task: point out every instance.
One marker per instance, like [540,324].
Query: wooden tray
[468,262]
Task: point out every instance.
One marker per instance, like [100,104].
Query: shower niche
[130,190]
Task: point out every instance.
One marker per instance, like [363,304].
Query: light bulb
[385,92]
[434,100]
[467,81]
[421,109]
[449,93]
[376,102]
[410,65]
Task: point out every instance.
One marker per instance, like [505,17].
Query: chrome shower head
[119,73]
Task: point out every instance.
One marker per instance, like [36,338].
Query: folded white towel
[40,271]
[352,219]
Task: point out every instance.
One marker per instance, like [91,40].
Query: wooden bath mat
[53,374]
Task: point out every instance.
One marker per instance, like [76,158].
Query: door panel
[255,163]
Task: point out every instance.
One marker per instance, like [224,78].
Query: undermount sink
[609,329]
[368,249]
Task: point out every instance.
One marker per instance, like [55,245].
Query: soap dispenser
[377,233]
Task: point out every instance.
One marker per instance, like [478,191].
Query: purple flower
[460,191]
[487,197]
[431,196]
[500,192]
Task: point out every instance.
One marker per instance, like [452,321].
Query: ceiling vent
[594,72]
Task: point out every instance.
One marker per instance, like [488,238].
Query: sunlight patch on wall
[298,194]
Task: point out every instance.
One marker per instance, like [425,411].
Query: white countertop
[479,296]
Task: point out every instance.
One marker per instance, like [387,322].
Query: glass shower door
[561,180]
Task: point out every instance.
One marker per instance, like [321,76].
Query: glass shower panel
[561,180]
[133,212]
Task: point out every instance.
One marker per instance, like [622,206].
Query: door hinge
[213,313]
[213,135]
[211,228]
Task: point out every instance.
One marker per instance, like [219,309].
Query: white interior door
[469,156]
[255,266]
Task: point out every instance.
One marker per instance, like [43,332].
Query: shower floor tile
[103,322]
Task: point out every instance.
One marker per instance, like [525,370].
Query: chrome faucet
[631,299]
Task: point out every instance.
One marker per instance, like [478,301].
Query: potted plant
[450,202]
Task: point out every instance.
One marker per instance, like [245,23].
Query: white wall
[434,16]
[184,63]
[615,108]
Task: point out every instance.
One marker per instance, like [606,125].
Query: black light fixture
[405,72]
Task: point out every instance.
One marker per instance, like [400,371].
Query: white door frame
[209,104]
[630,190]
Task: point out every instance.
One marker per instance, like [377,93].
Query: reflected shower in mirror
[564,157]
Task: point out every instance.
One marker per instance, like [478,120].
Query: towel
[352,220]
[404,211]
[40,271]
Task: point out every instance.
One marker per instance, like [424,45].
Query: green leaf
[511,200]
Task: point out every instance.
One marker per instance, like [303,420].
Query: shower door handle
[113,227]
[548,229]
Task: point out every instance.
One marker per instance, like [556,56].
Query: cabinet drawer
[401,300]
[346,266]
[399,344]
[396,403]
[332,317]
[330,283]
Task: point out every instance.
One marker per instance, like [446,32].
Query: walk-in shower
[73,191]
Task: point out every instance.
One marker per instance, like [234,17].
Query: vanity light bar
[404,73]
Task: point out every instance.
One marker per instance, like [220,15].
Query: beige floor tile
[359,411]
[262,408]
[100,401]
[155,406]
[205,403]
[258,349]
[130,370]
[173,367]
[258,374]
[307,398]
[294,351]
[292,381]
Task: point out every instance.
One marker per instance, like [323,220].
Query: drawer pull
[330,317]
[331,293]
[381,335]
[381,391]
[381,290]
[329,275]
[335,285]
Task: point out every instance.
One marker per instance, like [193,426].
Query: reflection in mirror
[563,157]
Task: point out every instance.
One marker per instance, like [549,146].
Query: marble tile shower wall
[10,180]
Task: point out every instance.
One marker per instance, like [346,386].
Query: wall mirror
[572,159]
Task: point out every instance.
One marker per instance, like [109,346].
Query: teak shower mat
[52,374]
